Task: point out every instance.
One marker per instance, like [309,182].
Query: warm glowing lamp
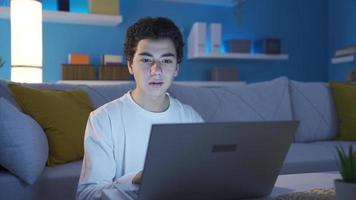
[26,41]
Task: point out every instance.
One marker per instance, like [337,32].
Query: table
[284,184]
[303,182]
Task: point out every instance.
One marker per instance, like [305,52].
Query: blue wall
[302,26]
[5,48]
[342,33]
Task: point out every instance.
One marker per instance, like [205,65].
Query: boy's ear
[129,67]
[177,71]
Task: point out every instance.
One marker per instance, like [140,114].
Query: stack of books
[347,51]
[78,68]
[111,60]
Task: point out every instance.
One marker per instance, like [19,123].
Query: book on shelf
[197,39]
[215,37]
[111,59]
[78,59]
[105,7]
[347,51]
[344,58]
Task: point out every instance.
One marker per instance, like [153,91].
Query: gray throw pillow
[314,108]
[262,101]
[23,144]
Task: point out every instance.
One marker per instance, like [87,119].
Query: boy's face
[154,66]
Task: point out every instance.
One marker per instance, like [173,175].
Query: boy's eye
[166,61]
[146,60]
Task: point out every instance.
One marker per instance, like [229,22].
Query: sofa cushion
[23,144]
[56,183]
[313,157]
[99,94]
[110,92]
[62,114]
[264,101]
[313,107]
[96,98]
[204,100]
[345,102]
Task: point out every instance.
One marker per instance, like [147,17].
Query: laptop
[220,160]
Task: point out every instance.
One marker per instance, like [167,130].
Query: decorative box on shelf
[78,72]
[119,72]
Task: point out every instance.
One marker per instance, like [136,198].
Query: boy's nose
[156,68]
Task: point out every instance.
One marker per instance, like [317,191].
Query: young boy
[117,133]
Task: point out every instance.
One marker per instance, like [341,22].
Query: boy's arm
[99,163]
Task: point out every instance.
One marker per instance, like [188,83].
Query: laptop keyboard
[132,193]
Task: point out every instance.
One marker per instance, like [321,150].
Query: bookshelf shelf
[239,56]
[225,3]
[72,18]
[343,59]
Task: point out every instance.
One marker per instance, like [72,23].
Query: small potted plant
[346,187]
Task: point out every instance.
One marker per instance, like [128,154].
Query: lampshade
[26,41]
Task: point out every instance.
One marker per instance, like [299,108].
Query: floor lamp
[26,41]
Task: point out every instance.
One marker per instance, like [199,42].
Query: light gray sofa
[278,99]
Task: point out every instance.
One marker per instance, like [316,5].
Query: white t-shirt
[116,140]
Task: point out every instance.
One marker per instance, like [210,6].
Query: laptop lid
[223,160]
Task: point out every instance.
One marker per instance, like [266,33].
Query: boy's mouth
[156,83]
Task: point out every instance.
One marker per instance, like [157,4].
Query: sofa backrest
[264,101]
[267,100]
[278,99]
[313,106]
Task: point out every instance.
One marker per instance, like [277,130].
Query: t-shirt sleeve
[99,165]
[194,115]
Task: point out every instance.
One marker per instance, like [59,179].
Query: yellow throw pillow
[63,116]
[345,101]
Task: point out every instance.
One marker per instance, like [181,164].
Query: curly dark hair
[153,28]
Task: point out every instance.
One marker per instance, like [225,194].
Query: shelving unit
[344,59]
[198,41]
[72,18]
[241,56]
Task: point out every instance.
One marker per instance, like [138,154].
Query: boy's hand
[137,178]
